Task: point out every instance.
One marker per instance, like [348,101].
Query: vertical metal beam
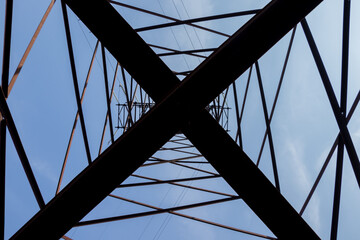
[244,101]
[340,118]
[343,101]
[237,114]
[268,128]
[107,93]
[331,152]
[20,149]
[75,81]
[2,176]
[7,45]
[128,102]
[4,84]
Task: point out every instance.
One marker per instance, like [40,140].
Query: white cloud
[301,180]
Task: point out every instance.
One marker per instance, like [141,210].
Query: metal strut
[162,122]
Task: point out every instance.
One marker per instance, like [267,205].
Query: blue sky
[43,106]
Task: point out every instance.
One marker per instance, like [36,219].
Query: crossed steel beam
[190,97]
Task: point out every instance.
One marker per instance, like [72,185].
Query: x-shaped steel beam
[179,106]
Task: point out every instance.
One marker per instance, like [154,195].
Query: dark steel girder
[152,131]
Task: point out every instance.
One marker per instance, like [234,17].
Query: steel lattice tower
[144,121]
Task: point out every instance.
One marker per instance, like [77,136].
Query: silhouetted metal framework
[180,117]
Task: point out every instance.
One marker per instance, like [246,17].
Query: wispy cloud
[301,179]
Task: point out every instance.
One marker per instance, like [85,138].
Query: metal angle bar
[183,161]
[129,119]
[331,152]
[195,218]
[187,52]
[168,161]
[201,19]
[268,128]
[126,94]
[107,115]
[244,101]
[174,148]
[107,93]
[157,211]
[181,151]
[180,142]
[223,104]
[66,238]
[7,46]
[75,121]
[153,158]
[175,51]
[174,182]
[237,114]
[75,81]
[339,116]
[245,95]
[2,176]
[343,101]
[337,190]
[197,162]
[277,92]
[167,17]
[20,149]
[163,120]
[156,182]
[185,73]
[193,168]
[28,48]
[4,84]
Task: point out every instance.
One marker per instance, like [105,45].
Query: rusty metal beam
[75,120]
[162,122]
[29,47]
[75,80]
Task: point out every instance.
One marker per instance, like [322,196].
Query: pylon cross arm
[180,105]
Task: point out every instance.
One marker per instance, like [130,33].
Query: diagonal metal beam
[343,103]
[75,80]
[164,120]
[339,115]
[201,19]
[167,17]
[268,128]
[5,112]
[172,211]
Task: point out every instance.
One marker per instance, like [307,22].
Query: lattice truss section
[179,119]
